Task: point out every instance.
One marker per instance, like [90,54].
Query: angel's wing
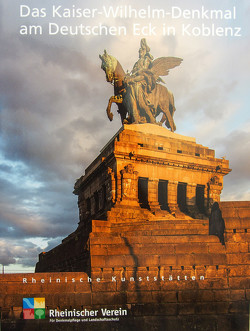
[161,66]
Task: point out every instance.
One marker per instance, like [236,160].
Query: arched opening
[104,196]
[163,194]
[88,205]
[96,197]
[181,196]
[200,201]
[143,192]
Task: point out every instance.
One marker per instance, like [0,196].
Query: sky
[53,96]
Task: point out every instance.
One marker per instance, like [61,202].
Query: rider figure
[140,70]
[141,82]
[145,58]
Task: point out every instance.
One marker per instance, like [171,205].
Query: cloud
[236,183]
[50,107]
[55,105]
[53,123]
[18,252]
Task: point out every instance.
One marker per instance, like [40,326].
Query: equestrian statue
[140,95]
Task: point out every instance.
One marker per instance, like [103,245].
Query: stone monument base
[148,184]
[142,248]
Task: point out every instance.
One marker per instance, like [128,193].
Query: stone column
[119,186]
[191,199]
[172,196]
[92,204]
[206,198]
[111,186]
[153,194]
[129,186]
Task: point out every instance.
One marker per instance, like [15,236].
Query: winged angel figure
[140,95]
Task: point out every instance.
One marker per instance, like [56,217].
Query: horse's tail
[108,110]
[169,113]
[172,108]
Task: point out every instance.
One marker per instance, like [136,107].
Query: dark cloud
[49,98]
[51,103]
[21,252]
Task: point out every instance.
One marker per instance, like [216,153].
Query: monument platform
[150,182]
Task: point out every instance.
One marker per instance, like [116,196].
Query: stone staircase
[136,238]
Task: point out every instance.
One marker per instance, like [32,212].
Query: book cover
[54,123]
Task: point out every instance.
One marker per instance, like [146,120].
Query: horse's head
[109,64]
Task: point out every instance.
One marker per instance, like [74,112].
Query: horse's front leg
[169,121]
[163,119]
[116,99]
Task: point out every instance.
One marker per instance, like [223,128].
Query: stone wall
[183,281]
[209,304]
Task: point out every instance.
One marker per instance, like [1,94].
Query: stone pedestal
[143,182]
[147,154]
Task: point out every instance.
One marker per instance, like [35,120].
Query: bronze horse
[160,99]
